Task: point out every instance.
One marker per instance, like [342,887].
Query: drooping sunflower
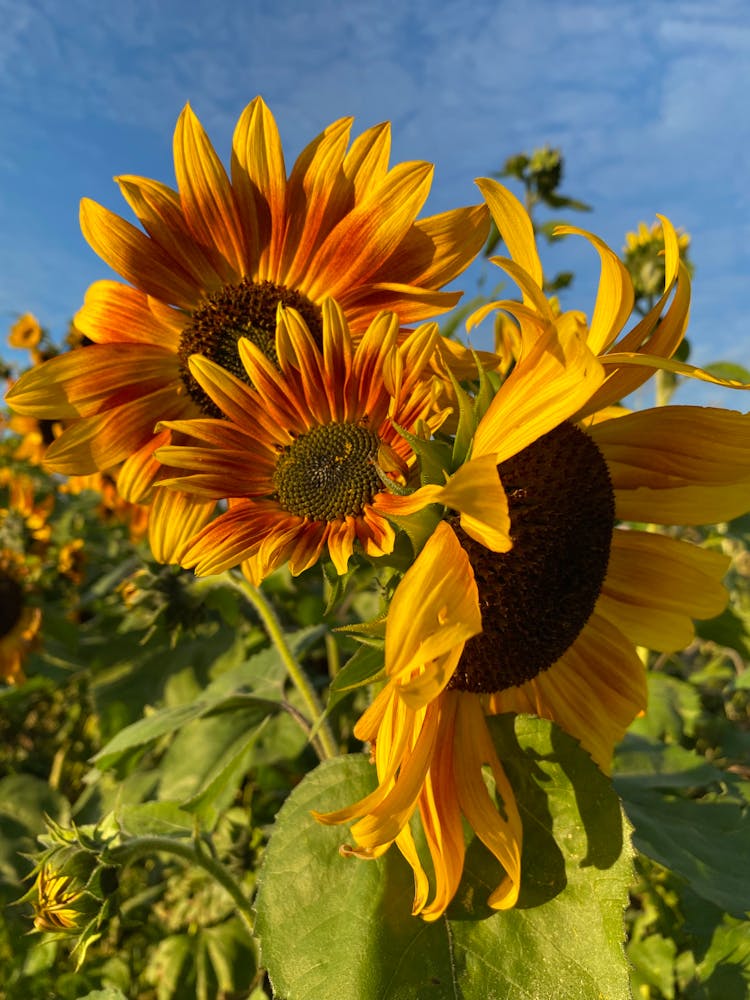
[306,453]
[19,620]
[550,626]
[216,258]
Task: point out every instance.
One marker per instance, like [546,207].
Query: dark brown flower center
[328,472]
[11,603]
[247,309]
[536,599]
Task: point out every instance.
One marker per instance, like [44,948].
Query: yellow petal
[549,384]
[136,257]
[514,225]
[206,194]
[432,614]
[174,519]
[656,585]
[614,300]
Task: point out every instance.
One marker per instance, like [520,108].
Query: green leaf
[728,369]
[109,993]
[255,685]
[159,819]
[207,760]
[342,927]
[166,963]
[705,840]
[674,706]
[25,800]
[724,971]
[653,963]
[363,667]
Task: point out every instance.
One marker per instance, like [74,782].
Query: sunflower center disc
[328,472]
[11,603]
[247,309]
[536,599]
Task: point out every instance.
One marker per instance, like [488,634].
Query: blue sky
[648,101]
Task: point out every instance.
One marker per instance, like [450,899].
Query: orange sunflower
[307,454]
[216,258]
[19,621]
[551,625]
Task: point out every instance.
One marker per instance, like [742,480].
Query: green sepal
[366,666]
[434,458]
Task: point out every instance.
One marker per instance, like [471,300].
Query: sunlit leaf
[341,927]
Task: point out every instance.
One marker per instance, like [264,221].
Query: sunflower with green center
[214,260]
[308,447]
[550,626]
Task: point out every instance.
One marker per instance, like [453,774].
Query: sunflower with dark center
[551,625]
[19,621]
[307,446]
[211,265]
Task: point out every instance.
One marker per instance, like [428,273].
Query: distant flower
[644,258]
[26,333]
[19,621]
[215,260]
[71,561]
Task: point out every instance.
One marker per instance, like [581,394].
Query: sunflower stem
[332,655]
[323,741]
[139,847]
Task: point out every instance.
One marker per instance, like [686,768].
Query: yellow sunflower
[306,453]
[58,903]
[26,333]
[216,258]
[550,626]
[19,622]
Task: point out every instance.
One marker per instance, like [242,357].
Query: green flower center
[536,599]
[329,472]
[247,309]
[11,603]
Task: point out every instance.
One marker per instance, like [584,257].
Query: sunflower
[550,626]
[19,622]
[216,258]
[57,906]
[26,333]
[307,452]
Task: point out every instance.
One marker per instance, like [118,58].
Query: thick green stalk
[324,741]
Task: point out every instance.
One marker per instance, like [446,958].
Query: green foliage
[576,873]
[158,731]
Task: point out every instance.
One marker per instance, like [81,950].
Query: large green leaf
[686,820]
[339,927]
[255,686]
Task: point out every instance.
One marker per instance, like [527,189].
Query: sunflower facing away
[551,626]
[212,263]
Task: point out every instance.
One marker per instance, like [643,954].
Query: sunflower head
[19,620]
[247,309]
[26,333]
[309,443]
[536,598]
[644,258]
